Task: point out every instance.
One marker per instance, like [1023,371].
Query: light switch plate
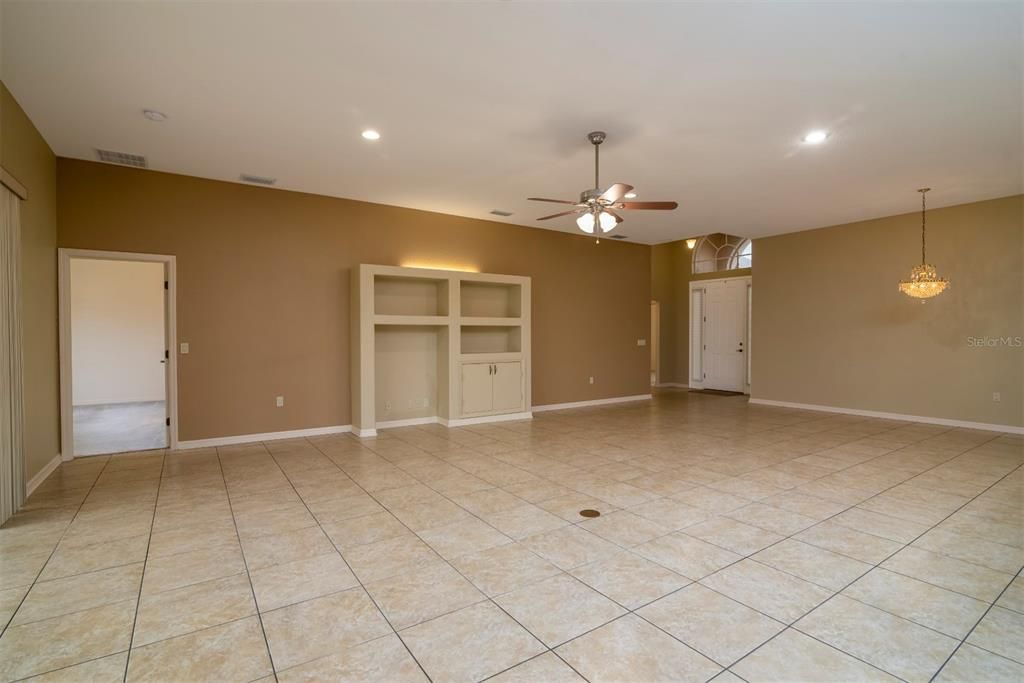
[280,401]
[641,342]
[184,348]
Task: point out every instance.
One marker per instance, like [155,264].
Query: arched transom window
[718,252]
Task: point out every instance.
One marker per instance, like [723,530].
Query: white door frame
[656,340]
[67,421]
[696,325]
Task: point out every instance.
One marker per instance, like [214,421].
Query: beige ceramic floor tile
[271,549]
[1001,632]
[670,513]
[955,575]
[430,591]
[849,542]
[381,559]
[937,608]
[194,607]
[109,669]
[569,547]
[286,584]
[558,609]
[793,656]
[869,522]
[471,644]
[1002,558]
[777,594]
[629,579]
[717,627]
[357,531]
[811,563]
[175,571]
[21,569]
[569,505]
[524,521]
[384,660]
[686,555]
[1013,596]
[69,639]
[625,528]
[232,651]
[504,568]
[630,649]
[778,520]
[463,537]
[76,593]
[898,646]
[733,535]
[316,628]
[431,515]
[970,663]
[547,668]
[78,560]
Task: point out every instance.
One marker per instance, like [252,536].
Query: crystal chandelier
[924,282]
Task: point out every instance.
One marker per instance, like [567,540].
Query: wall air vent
[620,237]
[499,212]
[256,179]
[121,158]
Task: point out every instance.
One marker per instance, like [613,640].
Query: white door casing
[719,334]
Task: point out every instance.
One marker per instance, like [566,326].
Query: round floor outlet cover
[589,513]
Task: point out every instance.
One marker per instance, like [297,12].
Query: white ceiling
[482,104]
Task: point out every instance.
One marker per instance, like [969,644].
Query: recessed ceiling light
[816,137]
[154,115]
[371,134]
[630,195]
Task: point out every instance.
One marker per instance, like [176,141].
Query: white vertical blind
[12,457]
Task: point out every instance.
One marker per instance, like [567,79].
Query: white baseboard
[41,475]
[945,422]
[484,419]
[596,402]
[364,433]
[408,422]
[676,385]
[267,436]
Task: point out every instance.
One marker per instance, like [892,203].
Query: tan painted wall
[830,327]
[263,290]
[25,154]
[117,331]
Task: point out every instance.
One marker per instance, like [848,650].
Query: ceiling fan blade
[657,206]
[556,215]
[555,201]
[615,192]
[618,218]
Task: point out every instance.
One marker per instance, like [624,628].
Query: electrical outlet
[591,380]
[641,342]
[184,348]
[996,397]
[426,403]
[387,406]
[280,401]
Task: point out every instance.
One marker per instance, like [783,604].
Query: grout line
[245,563]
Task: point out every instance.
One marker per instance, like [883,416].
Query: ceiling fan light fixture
[606,221]
[586,223]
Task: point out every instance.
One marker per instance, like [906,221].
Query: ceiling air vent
[499,212]
[256,179]
[620,237]
[121,158]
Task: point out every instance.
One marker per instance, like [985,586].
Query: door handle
[739,350]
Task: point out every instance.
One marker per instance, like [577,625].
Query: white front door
[725,335]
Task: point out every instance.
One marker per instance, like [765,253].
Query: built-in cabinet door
[508,386]
[477,388]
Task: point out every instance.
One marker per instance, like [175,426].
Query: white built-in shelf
[419,320]
[489,299]
[492,322]
[484,357]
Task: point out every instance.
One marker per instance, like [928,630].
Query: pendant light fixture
[924,282]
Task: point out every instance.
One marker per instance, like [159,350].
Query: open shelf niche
[430,346]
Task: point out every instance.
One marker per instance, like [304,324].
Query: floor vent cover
[589,513]
[121,158]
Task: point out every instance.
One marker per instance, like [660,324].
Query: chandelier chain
[923,192]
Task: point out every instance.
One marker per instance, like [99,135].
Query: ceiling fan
[597,208]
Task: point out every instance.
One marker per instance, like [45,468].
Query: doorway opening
[720,334]
[117,371]
[655,343]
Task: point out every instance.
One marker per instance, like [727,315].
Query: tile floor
[735,542]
